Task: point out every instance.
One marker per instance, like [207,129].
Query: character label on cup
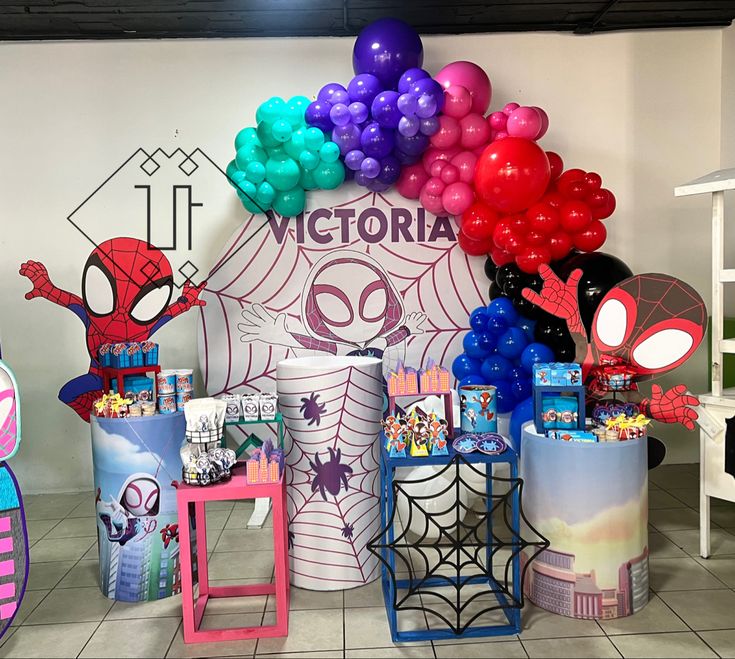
[167,404]
[166,382]
[478,408]
[184,380]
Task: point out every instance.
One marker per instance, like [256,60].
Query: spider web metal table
[482,597]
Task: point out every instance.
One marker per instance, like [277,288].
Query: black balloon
[491,269]
[553,332]
[494,291]
[600,273]
[527,309]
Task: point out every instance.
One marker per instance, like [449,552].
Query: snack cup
[166,382]
[250,407]
[167,404]
[182,398]
[268,404]
[232,411]
[184,379]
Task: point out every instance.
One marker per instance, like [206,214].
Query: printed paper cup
[166,383]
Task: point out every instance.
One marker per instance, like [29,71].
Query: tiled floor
[691,612]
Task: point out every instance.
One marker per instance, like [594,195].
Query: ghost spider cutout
[652,322]
[330,475]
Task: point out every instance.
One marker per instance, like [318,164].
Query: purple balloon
[429,126]
[427,106]
[412,146]
[340,114]
[370,167]
[340,96]
[409,78]
[361,179]
[317,114]
[386,48]
[406,159]
[385,110]
[376,141]
[359,112]
[347,138]
[409,126]
[390,170]
[364,88]
[376,185]
[427,86]
[407,104]
[353,159]
[325,93]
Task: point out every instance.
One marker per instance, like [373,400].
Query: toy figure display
[205,462]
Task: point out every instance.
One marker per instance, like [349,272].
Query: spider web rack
[458,572]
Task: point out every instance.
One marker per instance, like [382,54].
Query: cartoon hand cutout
[672,406]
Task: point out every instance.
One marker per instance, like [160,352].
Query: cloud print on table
[333,550]
[118,455]
[431,274]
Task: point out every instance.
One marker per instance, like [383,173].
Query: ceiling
[155,19]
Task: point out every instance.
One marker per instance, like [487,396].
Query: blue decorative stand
[539,391]
[465,551]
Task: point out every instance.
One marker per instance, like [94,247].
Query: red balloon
[543,218]
[577,190]
[501,233]
[535,239]
[593,181]
[556,164]
[560,244]
[575,216]
[567,178]
[592,238]
[500,256]
[607,209]
[473,247]
[512,174]
[531,258]
[553,199]
[478,222]
[515,243]
[519,223]
[596,199]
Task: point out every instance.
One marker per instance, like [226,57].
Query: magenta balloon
[387,48]
[457,101]
[449,133]
[465,162]
[411,181]
[544,122]
[509,107]
[524,122]
[471,76]
[498,120]
[475,131]
[457,198]
[432,203]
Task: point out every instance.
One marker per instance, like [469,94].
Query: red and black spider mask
[125,277]
[653,322]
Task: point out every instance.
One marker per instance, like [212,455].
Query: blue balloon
[536,353]
[495,368]
[512,342]
[519,373]
[476,345]
[528,326]
[521,387]
[463,366]
[523,412]
[478,319]
[502,307]
[497,324]
[505,400]
[471,379]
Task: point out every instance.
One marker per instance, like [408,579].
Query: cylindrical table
[591,501]
[135,461]
[331,408]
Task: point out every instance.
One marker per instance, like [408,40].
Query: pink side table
[190,500]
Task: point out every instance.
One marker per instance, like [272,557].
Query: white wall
[643,109]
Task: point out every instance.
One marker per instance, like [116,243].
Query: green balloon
[289,203]
[249,153]
[265,135]
[271,110]
[307,180]
[246,188]
[295,145]
[246,136]
[313,138]
[265,194]
[282,174]
[255,172]
[308,159]
[281,130]
[329,152]
[329,175]
[231,169]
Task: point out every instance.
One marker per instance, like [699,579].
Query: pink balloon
[433,153]
[524,122]
[457,101]
[411,180]
[544,122]
[437,166]
[431,202]
[465,162]
[475,131]
[449,174]
[435,186]
[500,135]
[449,133]
[473,78]
[509,107]
[457,198]
[498,120]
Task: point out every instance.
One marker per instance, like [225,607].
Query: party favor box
[557,374]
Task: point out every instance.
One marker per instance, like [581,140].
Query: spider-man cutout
[652,322]
[127,286]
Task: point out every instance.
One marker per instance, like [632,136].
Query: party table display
[446,553]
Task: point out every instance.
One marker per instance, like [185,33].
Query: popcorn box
[557,374]
[232,411]
[120,356]
[136,354]
[268,404]
[105,355]
[250,407]
[150,353]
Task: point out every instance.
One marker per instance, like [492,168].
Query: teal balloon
[251,205]
[265,194]
[282,130]
[308,159]
[289,203]
[255,172]
[238,177]
[278,153]
[282,174]
[231,169]
[246,136]
[299,104]
[313,138]
[307,180]
[329,152]
[295,145]
[329,175]
[247,197]
[265,134]
[249,153]
[271,109]
[246,188]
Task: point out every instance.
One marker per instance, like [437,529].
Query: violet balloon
[326,92]
[426,106]
[429,126]
[317,114]
[347,138]
[409,126]
[353,159]
[387,48]
[384,109]
[390,170]
[340,114]
[359,112]
[409,78]
[376,141]
[407,104]
[406,159]
[432,88]
[370,167]
[412,146]
[364,88]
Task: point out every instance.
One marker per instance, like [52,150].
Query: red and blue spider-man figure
[127,286]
